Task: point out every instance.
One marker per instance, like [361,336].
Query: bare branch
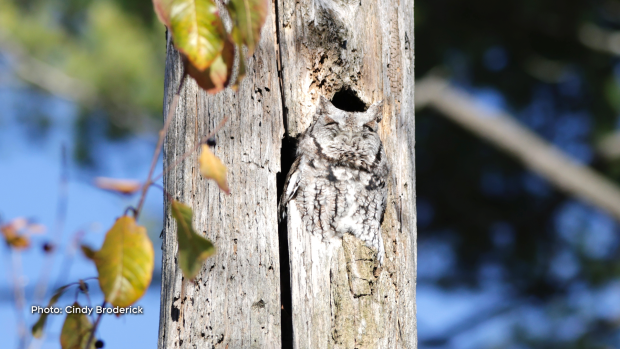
[599,39]
[61,215]
[46,76]
[191,151]
[503,131]
[160,141]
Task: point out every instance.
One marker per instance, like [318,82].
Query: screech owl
[338,178]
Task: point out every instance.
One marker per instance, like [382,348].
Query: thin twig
[160,141]
[191,151]
[67,260]
[20,298]
[83,286]
[61,215]
[92,333]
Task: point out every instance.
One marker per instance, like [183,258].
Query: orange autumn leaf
[16,232]
[123,186]
[211,167]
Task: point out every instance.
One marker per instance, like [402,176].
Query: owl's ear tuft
[376,110]
[326,106]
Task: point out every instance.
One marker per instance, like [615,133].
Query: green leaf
[125,262]
[197,30]
[39,326]
[217,76]
[88,252]
[193,248]
[248,17]
[76,331]
[241,73]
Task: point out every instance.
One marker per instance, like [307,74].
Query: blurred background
[517,162]
[87,76]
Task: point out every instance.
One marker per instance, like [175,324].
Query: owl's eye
[329,121]
[370,126]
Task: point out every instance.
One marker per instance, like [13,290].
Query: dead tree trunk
[353,52]
[234,302]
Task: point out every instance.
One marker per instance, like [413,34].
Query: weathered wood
[235,300]
[340,297]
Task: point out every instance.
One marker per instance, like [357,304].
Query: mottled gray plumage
[338,178]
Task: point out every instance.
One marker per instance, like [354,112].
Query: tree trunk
[234,302]
[338,298]
[353,52]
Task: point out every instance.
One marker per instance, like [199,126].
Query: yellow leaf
[193,248]
[76,331]
[211,167]
[123,186]
[125,262]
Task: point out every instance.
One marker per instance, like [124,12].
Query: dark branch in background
[500,129]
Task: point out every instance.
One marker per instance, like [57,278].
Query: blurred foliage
[491,222]
[115,47]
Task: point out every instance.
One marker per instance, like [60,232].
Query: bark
[341,298]
[337,295]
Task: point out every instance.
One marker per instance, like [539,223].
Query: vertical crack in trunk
[287,157]
[286,317]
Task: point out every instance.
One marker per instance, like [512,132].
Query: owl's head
[345,138]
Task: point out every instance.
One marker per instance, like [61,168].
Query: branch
[61,215]
[535,153]
[599,39]
[95,325]
[18,294]
[191,151]
[160,141]
[46,76]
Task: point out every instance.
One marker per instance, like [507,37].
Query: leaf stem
[92,334]
[160,141]
[191,151]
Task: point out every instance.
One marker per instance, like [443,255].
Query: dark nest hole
[347,100]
